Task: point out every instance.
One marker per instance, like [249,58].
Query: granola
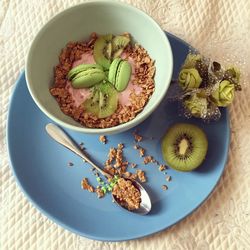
[85,185]
[103,139]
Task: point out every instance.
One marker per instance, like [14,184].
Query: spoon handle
[61,137]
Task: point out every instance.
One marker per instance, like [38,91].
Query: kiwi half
[107,48]
[119,43]
[184,147]
[103,101]
[103,50]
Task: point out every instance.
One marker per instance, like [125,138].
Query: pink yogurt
[80,95]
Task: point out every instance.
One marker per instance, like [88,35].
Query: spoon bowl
[145,205]
[61,137]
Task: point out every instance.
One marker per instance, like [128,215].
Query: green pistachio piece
[189,78]
[224,94]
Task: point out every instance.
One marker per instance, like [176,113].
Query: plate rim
[90,236]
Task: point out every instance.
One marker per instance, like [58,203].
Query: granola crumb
[141,151]
[111,156]
[127,174]
[70,164]
[86,186]
[168,178]
[99,192]
[148,159]
[119,158]
[133,176]
[136,146]
[141,175]
[103,139]
[137,137]
[162,167]
[164,187]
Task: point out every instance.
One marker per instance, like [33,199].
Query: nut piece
[86,186]
[103,139]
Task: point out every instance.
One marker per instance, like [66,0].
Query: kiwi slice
[103,50]
[184,147]
[119,43]
[103,101]
[91,105]
[108,100]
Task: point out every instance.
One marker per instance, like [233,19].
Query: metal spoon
[61,137]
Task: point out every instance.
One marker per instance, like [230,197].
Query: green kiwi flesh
[184,147]
[103,101]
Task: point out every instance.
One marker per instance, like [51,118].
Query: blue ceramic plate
[40,167]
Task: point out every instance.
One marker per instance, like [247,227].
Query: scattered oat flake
[86,186]
[70,164]
[141,152]
[137,137]
[120,146]
[148,159]
[103,139]
[168,178]
[133,176]
[162,167]
[164,187]
[99,192]
[127,174]
[141,175]
[136,146]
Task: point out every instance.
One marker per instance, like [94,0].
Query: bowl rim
[121,127]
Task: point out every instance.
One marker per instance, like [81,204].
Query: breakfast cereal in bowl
[104,81]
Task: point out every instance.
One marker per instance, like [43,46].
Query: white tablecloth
[218,28]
